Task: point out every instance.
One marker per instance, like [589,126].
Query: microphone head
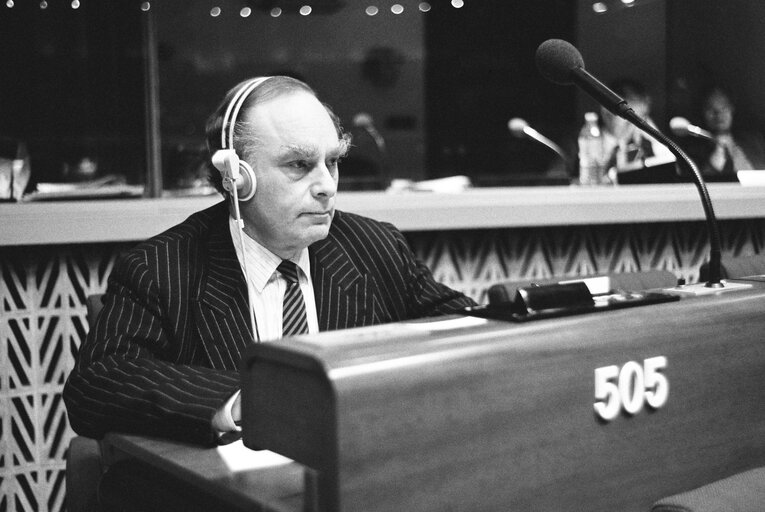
[516,126]
[362,120]
[679,125]
[555,58]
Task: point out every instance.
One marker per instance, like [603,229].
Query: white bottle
[592,151]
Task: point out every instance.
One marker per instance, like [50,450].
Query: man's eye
[300,164]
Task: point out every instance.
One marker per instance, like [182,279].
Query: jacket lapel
[221,310]
[342,292]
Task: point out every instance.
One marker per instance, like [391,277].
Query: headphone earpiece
[235,171]
[232,169]
[246,183]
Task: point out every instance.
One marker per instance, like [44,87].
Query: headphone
[238,176]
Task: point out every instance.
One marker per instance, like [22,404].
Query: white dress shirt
[266,289]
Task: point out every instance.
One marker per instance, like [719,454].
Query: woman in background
[732,149]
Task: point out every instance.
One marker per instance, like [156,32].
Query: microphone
[561,63]
[520,128]
[364,121]
[681,127]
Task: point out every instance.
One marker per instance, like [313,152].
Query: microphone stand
[554,147]
[520,128]
[561,63]
[364,122]
[712,227]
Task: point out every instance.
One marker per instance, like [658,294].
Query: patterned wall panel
[42,301]
[473,260]
[43,292]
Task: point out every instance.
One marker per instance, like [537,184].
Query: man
[629,147]
[163,357]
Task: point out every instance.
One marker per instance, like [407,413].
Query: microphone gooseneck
[364,121]
[701,187]
[520,128]
[681,127]
[561,63]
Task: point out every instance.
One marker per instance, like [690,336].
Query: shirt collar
[261,263]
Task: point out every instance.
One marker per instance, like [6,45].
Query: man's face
[718,113]
[621,128]
[639,104]
[295,162]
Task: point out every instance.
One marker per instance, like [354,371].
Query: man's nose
[325,183]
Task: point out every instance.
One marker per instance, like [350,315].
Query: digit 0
[630,387]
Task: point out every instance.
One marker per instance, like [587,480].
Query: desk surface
[270,489]
[120,220]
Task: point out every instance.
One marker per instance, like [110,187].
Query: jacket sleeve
[425,296]
[136,371]
[406,286]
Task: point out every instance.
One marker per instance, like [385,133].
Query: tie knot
[288,270]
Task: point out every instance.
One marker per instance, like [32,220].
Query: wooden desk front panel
[501,417]
[276,488]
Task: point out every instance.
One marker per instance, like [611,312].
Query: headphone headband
[227,162]
[232,111]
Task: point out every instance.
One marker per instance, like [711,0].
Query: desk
[497,416]
[121,220]
[433,416]
[273,489]
[54,254]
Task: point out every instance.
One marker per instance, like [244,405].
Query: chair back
[84,465]
[94,304]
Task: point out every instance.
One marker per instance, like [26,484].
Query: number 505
[630,387]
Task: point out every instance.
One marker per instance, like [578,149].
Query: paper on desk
[240,458]
[751,177]
[374,333]
[446,324]
[449,184]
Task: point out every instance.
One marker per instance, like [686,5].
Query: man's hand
[236,410]
[228,417]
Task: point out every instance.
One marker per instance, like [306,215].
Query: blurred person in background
[733,148]
[629,147]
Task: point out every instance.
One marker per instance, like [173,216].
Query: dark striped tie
[293,313]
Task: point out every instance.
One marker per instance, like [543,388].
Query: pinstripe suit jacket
[165,351]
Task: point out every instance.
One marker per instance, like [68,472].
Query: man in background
[630,148]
